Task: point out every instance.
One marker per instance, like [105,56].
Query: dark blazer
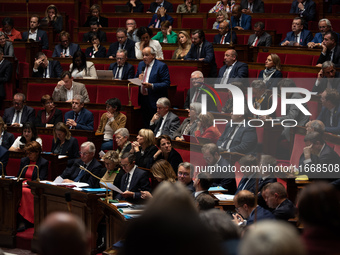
[41,37]
[7,140]
[70,147]
[207,52]
[285,211]
[154,20]
[101,53]
[264,40]
[5,76]
[308,14]
[323,84]
[28,114]
[4,155]
[57,117]
[305,37]
[139,182]
[104,22]
[180,130]
[73,171]
[218,37]
[190,187]
[57,25]
[244,141]
[245,21]
[139,6]
[246,184]
[262,214]
[8,49]
[54,69]
[211,107]
[41,163]
[171,124]
[129,47]
[239,71]
[327,57]
[258,6]
[224,179]
[84,121]
[273,80]
[59,49]
[174,159]
[146,159]
[168,6]
[101,36]
[325,117]
[127,73]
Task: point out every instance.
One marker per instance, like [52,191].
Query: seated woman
[206,127]
[110,121]
[166,35]
[220,17]
[11,33]
[6,139]
[162,171]
[135,6]
[64,144]
[6,45]
[228,107]
[50,115]
[184,44]
[144,34]
[95,12]
[96,50]
[144,148]
[82,69]
[159,17]
[53,19]
[122,139]
[189,125]
[272,74]
[29,134]
[225,5]
[187,7]
[167,152]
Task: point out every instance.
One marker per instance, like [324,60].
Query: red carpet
[23,239]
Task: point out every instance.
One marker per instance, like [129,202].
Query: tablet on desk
[105,74]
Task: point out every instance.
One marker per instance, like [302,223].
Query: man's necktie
[242,184]
[45,72]
[17,117]
[159,131]
[117,73]
[76,116]
[256,41]
[222,39]
[65,51]
[232,131]
[198,52]
[296,38]
[144,89]
[126,181]
[80,175]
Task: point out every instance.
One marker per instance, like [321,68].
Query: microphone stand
[129,94]
[3,171]
[231,33]
[28,22]
[38,179]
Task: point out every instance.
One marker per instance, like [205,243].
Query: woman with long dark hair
[82,69]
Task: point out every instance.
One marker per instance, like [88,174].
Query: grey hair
[198,73]
[197,107]
[317,126]
[123,131]
[188,166]
[327,64]
[80,98]
[268,160]
[328,23]
[164,101]
[122,51]
[2,34]
[152,50]
[91,146]
[21,95]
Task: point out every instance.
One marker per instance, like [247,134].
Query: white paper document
[111,187]
[224,197]
[136,81]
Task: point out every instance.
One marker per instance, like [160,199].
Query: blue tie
[80,175]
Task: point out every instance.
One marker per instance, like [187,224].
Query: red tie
[222,40]
[257,40]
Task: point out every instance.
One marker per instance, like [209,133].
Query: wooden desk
[31,48]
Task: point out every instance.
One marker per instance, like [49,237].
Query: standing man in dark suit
[35,33]
[252,6]
[87,160]
[330,49]
[94,27]
[19,113]
[155,78]
[133,181]
[44,68]
[306,9]
[66,48]
[330,112]
[239,20]
[298,36]
[164,122]
[327,78]
[5,75]
[202,50]
[122,70]
[260,37]
[154,6]
[123,42]
[233,70]
[224,36]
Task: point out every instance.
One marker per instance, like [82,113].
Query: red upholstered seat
[268,8]
[13,165]
[337,149]
[282,26]
[205,7]
[100,66]
[167,54]
[298,59]
[81,140]
[24,69]
[219,58]
[224,97]
[280,7]
[36,90]
[240,39]
[259,132]
[210,37]
[48,53]
[65,66]
[9,90]
[92,91]
[315,60]
[192,23]
[313,109]
[298,146]
[111,37]
[253,73]
[210,22]
[262,56]
[113,22]
[106,92]
[20,53]
[47,142]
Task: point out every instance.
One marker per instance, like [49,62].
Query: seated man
[19,113]
[328,77]
[131,28]
[298,36]
[121,69]
[79,117]
[44,68]
[330,112]
[330,49]
[276,198]
[154,6]
[184,175]
[224,36]
[133,181]
[35,33]
[66,48]
[123,42]
[252,6]
[94,27]
[87,160]
[67,88]
[260,37]
[324,26]
[164,122]
[306,9]
[239,20]
[202,183]
[315,126]
[6,72]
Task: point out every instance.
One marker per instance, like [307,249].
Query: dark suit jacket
[323,84]
[104,22]
[139,182]
[145,160]
[245,21]
[59,49]
[139,6]
[171,124]
[101,53]
[127,73]
[336,57]
[73,171]
[262,214]
[274,79]
[4,155]
[239,71]
[70,147]
[174,159]
[244,141]
[264,40]
[28,114]
[285,211]
[258,6]
[211,107]
[154,20]
[249,184]
[54,69]
[218,37]
[5,76]
[101,36]
[308,14]
[207,52]
[168,6]
[129,47]
[180,130]
[224,179]
[41,37]
[57,25]
[305,37]
[325,117]
[57,117]
[8,49]
[84,121]
[7,140]
[41,163]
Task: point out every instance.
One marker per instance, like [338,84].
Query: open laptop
[122,8]
[105,74]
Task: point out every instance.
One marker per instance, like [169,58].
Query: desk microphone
[3,171]
[38,179]
[68,201]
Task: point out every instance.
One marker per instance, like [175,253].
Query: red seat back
[298,146]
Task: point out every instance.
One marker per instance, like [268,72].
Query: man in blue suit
[306,9]
[298,36]
[79,117]
[327,77]
[330,49]
[122,70]
[239,20]
[330,112]
[224,36]
[233,70]
[202,50]
[44,68]
[154,6]
[36,34]
[65,49]
[324,26]
[123,42]
[155,78]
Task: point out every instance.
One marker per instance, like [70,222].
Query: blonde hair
[277,61]
[57,14]
[112,156]
[162,169]
[149,136]
[185,47]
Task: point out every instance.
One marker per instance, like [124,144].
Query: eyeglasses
[84,153]
[125,165]
[183,174]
